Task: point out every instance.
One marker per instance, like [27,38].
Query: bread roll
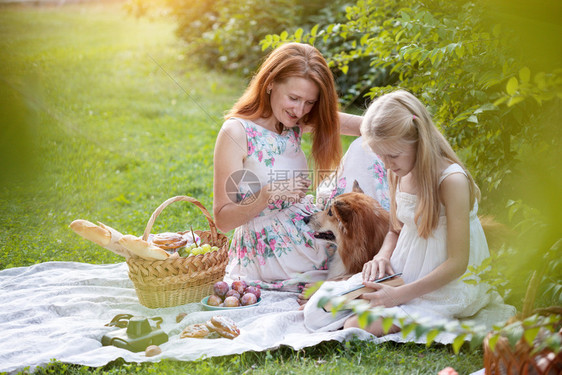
[224,326]
[142,249]
[195,331]
[169,240]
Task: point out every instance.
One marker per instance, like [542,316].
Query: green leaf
[407,329]
[364,319]
[476,340]
[525,75]
[386,324]
[530,335]
[457,342]
[312,289]
[501,100]
[364,39]
[344,69]
[460,51]
[431,335]
[421,330]
[405,16]
[514,334]
[314,30]
[493,340]
[298,34]
[512,86]
[514,100]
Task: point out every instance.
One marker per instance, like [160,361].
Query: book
[357,290]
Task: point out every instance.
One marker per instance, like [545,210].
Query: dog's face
[330,223]
[356,222]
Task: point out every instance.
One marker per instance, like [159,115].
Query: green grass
[103,118]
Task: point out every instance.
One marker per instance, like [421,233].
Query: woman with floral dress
[261,175]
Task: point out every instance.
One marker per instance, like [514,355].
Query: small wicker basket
[174,282]
[505,360]
[522,359]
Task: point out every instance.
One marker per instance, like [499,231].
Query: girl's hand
[377,268]
[384,295]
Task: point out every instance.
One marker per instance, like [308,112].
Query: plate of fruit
[239,295]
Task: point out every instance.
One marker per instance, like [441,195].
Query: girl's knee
[351,322]
[374,328]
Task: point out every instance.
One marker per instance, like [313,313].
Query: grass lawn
[103,118]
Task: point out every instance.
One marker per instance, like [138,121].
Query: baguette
[92,232]
[142,248]
[102,235]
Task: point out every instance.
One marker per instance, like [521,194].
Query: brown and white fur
[358,225]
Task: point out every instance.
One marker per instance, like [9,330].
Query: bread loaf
[92,232]
[102,235]
[142,248]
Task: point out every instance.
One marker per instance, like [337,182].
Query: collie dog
[357,224]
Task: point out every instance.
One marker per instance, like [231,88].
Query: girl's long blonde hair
[400,116]
[302,61]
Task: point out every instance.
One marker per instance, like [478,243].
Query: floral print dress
[276,249]
[358,164]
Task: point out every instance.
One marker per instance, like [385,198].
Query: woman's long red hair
[303,61]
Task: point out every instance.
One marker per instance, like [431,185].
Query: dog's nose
[306,219]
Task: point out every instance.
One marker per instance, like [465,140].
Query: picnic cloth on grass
[57,310]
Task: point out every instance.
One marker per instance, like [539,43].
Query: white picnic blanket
[57,310]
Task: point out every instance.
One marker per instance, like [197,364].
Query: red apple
[248,299]
[214,300]
[221,288]
[231,302]
[239,286]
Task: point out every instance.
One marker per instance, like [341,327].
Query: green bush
[225,34]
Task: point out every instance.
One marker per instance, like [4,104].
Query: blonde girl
[435,233]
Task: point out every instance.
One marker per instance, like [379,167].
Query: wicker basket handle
[178,198]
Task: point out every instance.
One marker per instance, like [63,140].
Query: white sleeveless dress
[416,257]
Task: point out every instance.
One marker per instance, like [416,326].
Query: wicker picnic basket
[522,359]
[174,282]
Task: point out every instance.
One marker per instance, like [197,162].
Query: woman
[261,174]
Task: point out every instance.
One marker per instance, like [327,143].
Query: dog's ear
[343,212]
[356,188]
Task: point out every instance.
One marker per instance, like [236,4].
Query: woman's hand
[384,295]
[377,268]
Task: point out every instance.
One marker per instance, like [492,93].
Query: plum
[239,286]
[248,299]
[214,300]
[232,292]
[231,302]
[221,288]
[254,290]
